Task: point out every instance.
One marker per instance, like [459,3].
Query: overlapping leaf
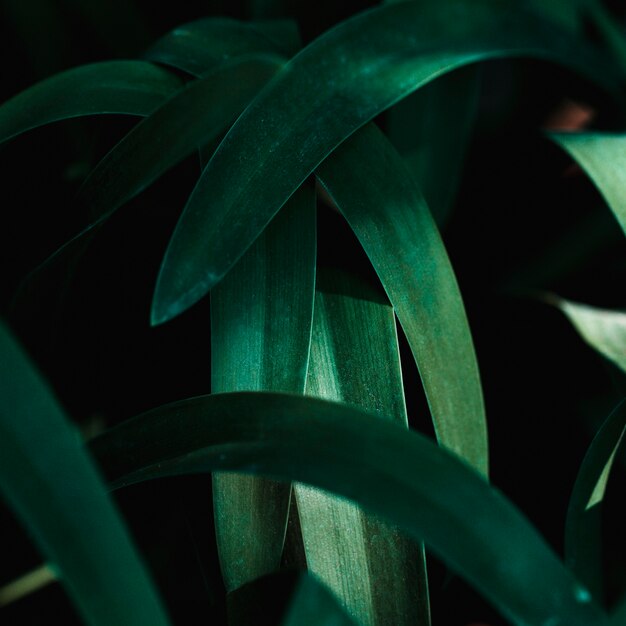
[379,575]
[328,90]
[371,186]
[126,87]
[393,472]
[261,316]
[204,44]
[53,487]
[583,531]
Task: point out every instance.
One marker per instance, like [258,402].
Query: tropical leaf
[391,471]
[377,573]
[603,157]
[603,329]
[332,87]
[197,115]
[125,87]
[51,483]
[583,529]
[261,316]
[205,44]
[370,185]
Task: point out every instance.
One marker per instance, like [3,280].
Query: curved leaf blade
[378,573]
[124,87]
[199,46]
[54,488]
[196,115]
[332,87]
[261,316]
[369,182]
[583,545]
[393,472]
[603,157]
[603,329]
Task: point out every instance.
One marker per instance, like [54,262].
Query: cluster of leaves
[306,380]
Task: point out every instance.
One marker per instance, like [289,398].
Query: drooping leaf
[313,605]
[431,129]
[603,157]
[603,329]
[202,45]
[368,181]
[51,483]
[261,316]
[125,87]
[332,87]
[583,531]
[378,574]
[198,114]
[391,471]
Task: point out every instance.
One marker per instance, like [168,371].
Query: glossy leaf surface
[261,316]
[379,574]
[393,472]
[332,87]
[51,483]
[371,186]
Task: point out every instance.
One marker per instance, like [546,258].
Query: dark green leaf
[377,573]
[371,186]
[603,157]
[197,115]
[389,470]
[332,87]
[127,87]
[583,528]
[53,487]
[202,45]
[261,316]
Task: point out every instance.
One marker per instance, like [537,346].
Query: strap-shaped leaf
[369,182]
[391,471]
[261,316]
[332,87]
[52,485]
[583,529]
[126,87]
[198,114]
[198,46]
[603,329]
[603,157]
[378,574]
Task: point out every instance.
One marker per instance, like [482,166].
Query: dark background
[524,221]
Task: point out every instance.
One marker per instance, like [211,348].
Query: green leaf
[603,329]
[391,471]
[52,485]
[261,316]
[313,605]
[603,157]
[431,129]
[332,87]
[126,87]
[583,527]
[198,114]
[204,44]
[378,574]
[372,188]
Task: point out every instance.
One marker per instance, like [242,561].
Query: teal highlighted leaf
[124,87]
[371,186]
[51,483]
[392,472]
[261,316]
[336,84]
